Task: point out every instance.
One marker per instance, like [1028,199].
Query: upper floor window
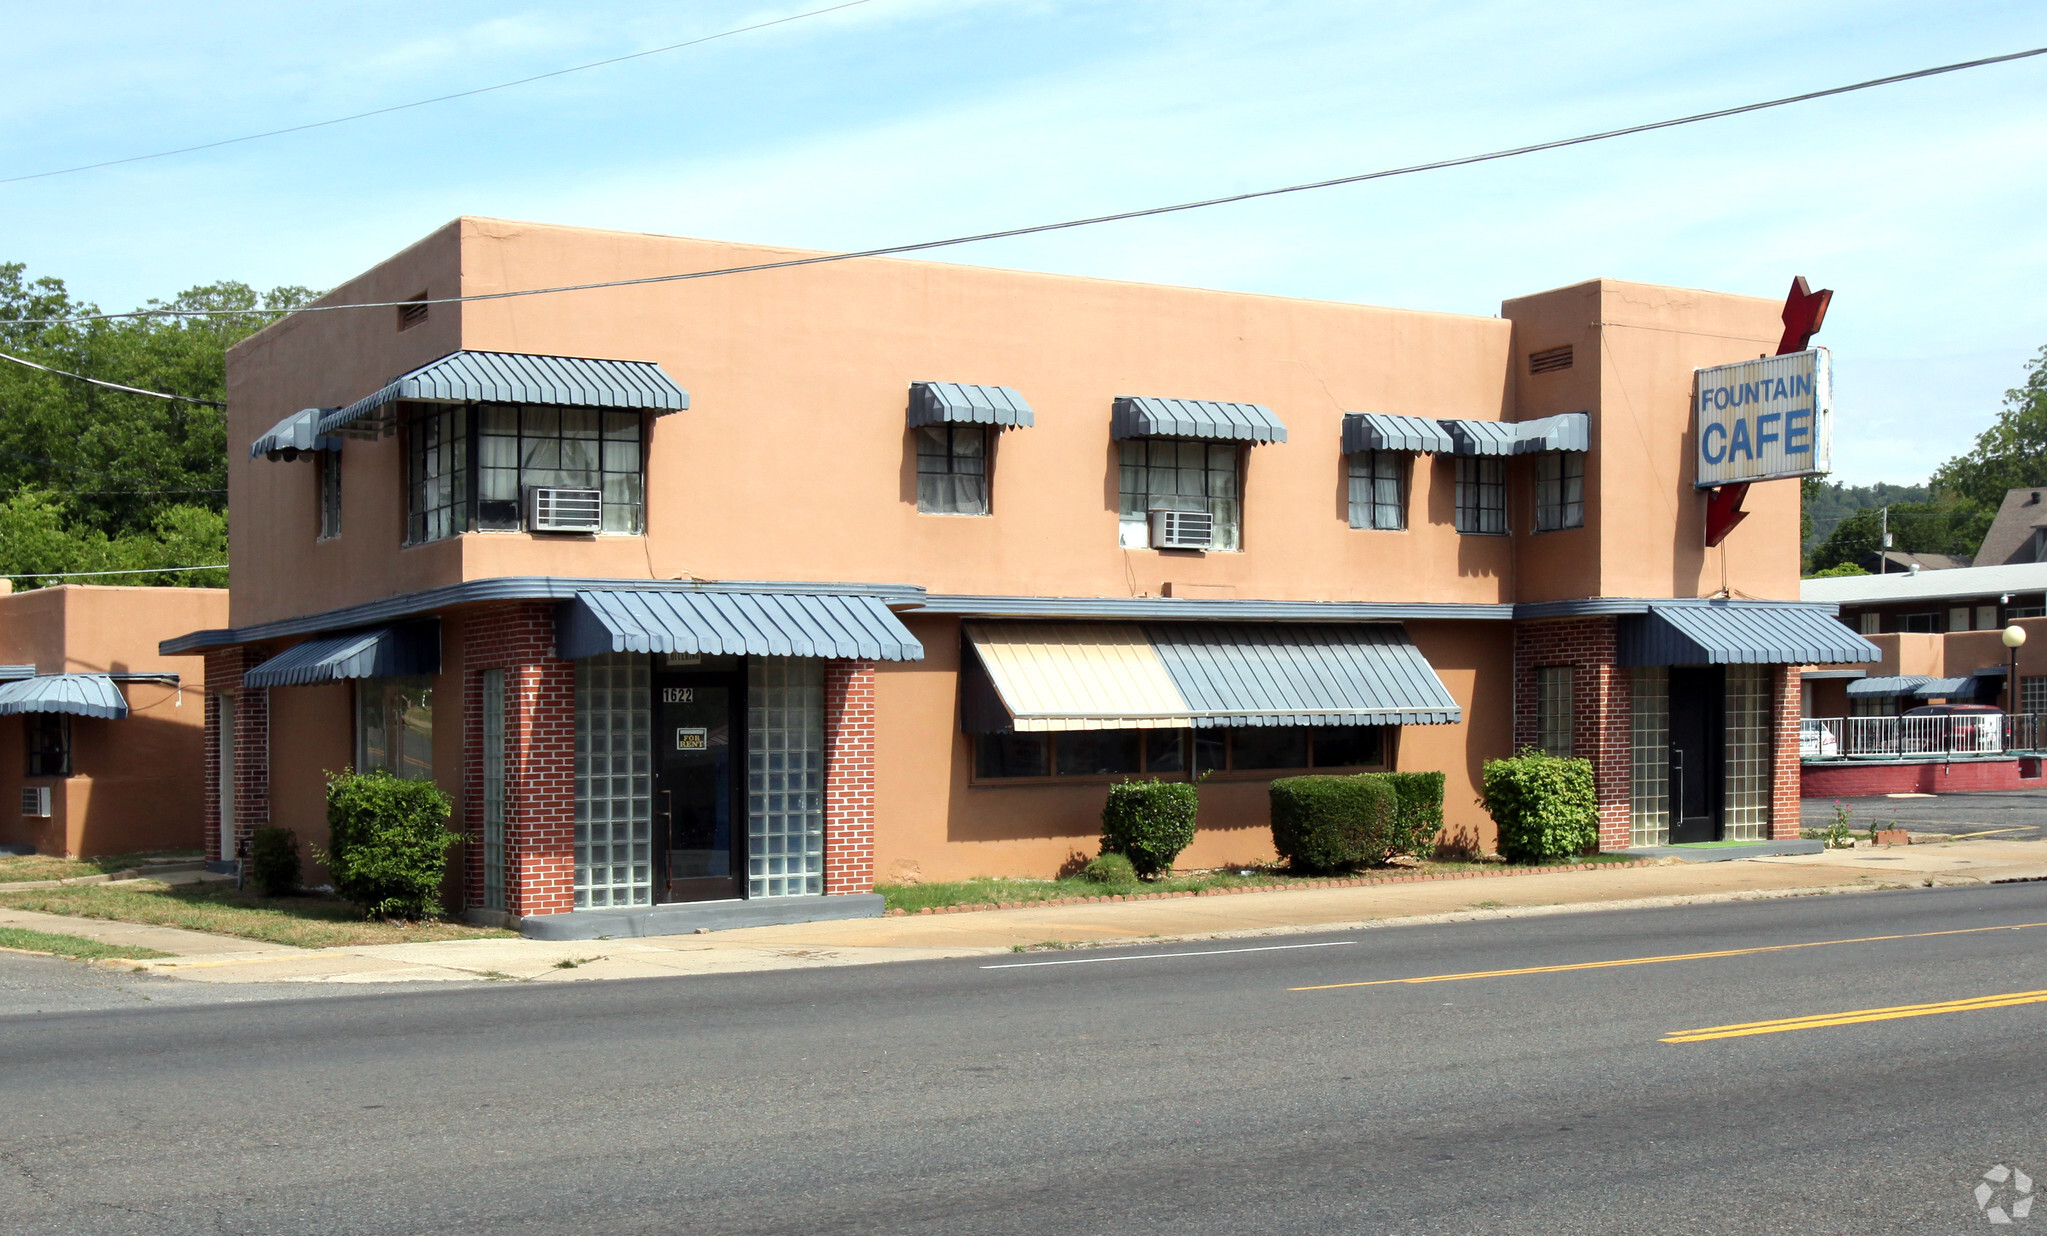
[1378,490]
[952,469]
[1869,622]
[1481,494]
[330,493]
[1559,490]
[473,466]
[1180,474]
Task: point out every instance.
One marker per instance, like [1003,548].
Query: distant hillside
[1832,503]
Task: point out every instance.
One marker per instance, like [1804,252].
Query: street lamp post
[2014,635]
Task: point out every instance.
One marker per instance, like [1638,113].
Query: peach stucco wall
[137,783]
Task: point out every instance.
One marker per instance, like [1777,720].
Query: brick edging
[1303,885]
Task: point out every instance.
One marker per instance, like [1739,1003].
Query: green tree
[1944,526]
[102,479]
[2012,453]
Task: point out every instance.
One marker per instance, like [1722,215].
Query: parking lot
[2018,815]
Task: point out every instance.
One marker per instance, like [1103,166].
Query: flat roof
[1926,585]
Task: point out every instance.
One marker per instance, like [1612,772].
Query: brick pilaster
[250,743]
[540,756]
[1602,712]
[1785,787]
[849,777]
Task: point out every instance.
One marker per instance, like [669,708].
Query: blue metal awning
[79,695]
[767,624]
[1371,431]
[1947,689]
[1301,674]
[296,434]
[516,377]
[377,652]
[1570,431]
[1143,416]
[1738,633]
[956,403]
[1887,687]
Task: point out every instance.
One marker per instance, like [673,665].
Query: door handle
[668,807]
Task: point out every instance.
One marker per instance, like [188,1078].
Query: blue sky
[900,120]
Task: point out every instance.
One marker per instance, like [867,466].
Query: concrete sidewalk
[922,937]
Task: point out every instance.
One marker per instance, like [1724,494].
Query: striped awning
[79,695]
[377,652]
[1145,416]
[1090,676]
[1947,689]
[766,624]
[956,403]
[1369,431]
[1891,686]
[516,377]
[1570,431]
[1739,633]
[293,436]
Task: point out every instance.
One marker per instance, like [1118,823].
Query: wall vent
[564,510]
[1181,529]
[35,801]
[1549,360]
[413,312]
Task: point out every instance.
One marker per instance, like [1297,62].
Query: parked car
[1970,729]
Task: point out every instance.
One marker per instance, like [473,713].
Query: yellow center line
[1820,1021]
[1651,961]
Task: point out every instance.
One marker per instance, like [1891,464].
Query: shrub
[1150,822]
[274,861]
[387,843]
[1110,869]
[1329,823]
[1545,806]
[1420,813]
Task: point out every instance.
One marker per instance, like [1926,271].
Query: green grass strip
[72,946]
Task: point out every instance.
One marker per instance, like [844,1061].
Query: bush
[1330,823]
[1150,822]
[274,861]
[387,843]
[1110,869]
[1420,813]
[1545,807]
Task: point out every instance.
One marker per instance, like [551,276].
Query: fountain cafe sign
[1764,419]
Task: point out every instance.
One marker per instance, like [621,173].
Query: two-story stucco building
[751,590]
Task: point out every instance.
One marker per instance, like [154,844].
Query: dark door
[697,732]
[1696,701]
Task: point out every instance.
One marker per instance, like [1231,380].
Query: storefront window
[1556,710]
[49,744]
[1096,753]
[1649,814]
[1179,474]
[1748,778]
[394,727]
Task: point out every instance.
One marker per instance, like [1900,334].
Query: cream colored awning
[1079,676]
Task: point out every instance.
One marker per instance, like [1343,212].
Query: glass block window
[1556,710]
[1178,474]
[2032,693]
[785,776]
[1481,495]
[1378,490]
[614,782]
[952,469]
[437,448]
[1649,729]
[494,789]
[1559,490]
[1748,778]
[520,447]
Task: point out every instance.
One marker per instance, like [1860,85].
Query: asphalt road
[2017,816]
[1194,1092]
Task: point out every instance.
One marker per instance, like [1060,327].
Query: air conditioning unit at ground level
[1182,529]
[564,510]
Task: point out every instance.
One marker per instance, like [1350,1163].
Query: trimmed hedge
[1150,822]
[1545,806]
[1421,811]
[274,861]
[388,840]
[1110,869]
[1332,823]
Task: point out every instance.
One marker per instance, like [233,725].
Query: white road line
[1214,952]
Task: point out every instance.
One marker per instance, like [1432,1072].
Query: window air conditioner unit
[1181,529]
[35,801]
[564,510]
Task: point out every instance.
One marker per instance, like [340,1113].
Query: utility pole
[1883,549]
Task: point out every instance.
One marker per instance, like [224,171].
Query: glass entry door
[697,730]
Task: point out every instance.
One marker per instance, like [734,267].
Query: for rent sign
[1765,418]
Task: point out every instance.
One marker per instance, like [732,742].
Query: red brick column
[251,746]
[1602,706]
[540,756]
[1785,789]
[848,777]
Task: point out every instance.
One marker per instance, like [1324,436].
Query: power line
[112,386]
[442,98]
[218,566]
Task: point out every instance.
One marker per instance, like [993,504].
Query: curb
[1300,886]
